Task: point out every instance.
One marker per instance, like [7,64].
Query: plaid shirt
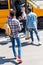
[14,26]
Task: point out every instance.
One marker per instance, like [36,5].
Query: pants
[24,26]
[19,46]
[36,32]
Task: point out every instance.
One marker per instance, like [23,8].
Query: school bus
[4,12]
[37,6]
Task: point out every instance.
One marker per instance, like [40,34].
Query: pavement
[31,54]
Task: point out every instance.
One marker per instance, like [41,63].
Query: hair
[30,9]
[12,13]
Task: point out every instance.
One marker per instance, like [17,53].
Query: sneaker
[32,42]
[16,57]
[27,38]
[19,60]
[39,43]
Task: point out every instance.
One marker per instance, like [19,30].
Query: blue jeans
[36,32]
[24,26]
[19,46]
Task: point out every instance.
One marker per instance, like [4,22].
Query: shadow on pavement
[26,44]
[3,43]
[22,44]
[4,60]
[36,44]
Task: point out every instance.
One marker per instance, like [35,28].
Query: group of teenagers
[29,21]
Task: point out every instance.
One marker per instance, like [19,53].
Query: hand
[19,18]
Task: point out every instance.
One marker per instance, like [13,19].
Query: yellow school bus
[4,12]
[37,6]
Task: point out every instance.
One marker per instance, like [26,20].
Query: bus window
[38,3]
[3,4]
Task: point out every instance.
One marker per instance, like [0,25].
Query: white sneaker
[32,42]
[39,43]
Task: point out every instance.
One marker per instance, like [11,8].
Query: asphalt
[31,53]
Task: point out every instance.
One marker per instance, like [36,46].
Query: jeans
[19,46]
[24,26]
[36,32]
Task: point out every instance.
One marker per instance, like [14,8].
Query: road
[31,54]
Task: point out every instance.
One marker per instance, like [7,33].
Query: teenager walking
[15,28]
[31,24]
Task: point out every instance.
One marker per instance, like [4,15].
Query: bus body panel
[3,17]
[37,10]
[4,12]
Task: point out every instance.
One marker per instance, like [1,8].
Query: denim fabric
[36,32]
[31,20]
[24,26]
[14,48]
